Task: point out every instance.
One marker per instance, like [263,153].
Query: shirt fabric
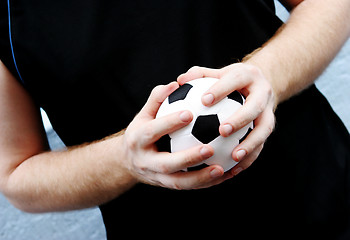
[91,64]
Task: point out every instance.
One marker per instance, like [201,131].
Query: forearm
[91,174]
[76,178]
[302,49]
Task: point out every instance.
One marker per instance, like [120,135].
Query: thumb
[156,98]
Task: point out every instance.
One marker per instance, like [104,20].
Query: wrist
[267,75]
[120,157]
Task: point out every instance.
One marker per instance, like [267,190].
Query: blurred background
[88,224]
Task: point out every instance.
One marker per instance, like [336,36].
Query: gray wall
[334,83]
[88,225]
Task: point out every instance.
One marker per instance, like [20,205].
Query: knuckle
[240,76]
[148,134]
[254,71]
[273,117]
[194,69]
[260,107]
[271,125]
[238,124]
[251,68]
[260,148]
[270,129]
[191,160]
[260,140]
[269,89]
[131,141]
[174,121]
[156,93]
[251,145]
[172,184]
[139,166]
[164,168]
[177,186]
[156,89]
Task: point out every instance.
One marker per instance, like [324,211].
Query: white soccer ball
[204,128]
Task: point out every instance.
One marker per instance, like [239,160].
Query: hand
[259,106]
[148,165]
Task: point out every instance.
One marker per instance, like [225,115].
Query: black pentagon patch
[245,136]
[236,96]
[163,144]
[180,93]
[199,167]
[206,128]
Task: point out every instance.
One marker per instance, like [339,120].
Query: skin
[37,180]
[296,56]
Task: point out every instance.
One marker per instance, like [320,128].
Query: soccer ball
[204,128]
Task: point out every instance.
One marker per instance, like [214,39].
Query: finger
[257,137]
[191,180]
[153,130]
[167,163]
[247,161]
[254,105]
[227,175]
[156,98]
[198,72]
[228,83]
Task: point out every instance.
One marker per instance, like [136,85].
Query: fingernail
[185,116]
[240,154]
[215,173]
[204,151]
[208,99]
[227,129]
[237,171]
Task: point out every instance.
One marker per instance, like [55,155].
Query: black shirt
[114,52]
[91,65]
